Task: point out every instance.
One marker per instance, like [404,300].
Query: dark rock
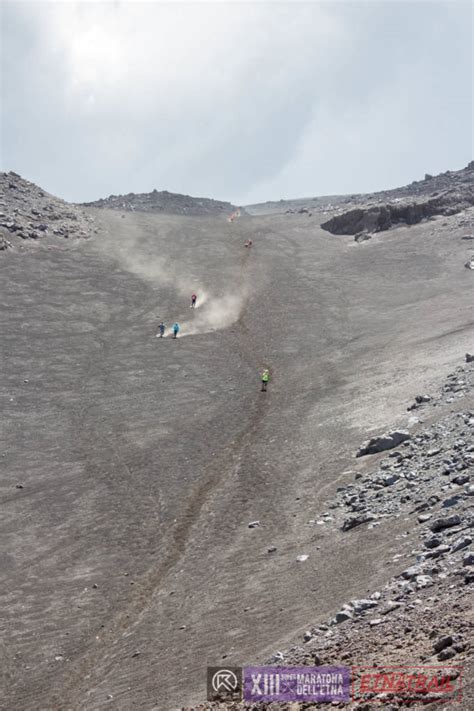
[451,501]
[461,543]
[362,236]
[448,653]
[422,398]
[412,572]
[440,523]
[468,559]
[342,616]
[437,552]
[390,479]
[357,521]
[442,643]
[433,542]
[461,479]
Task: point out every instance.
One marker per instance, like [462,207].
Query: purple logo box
[323,684]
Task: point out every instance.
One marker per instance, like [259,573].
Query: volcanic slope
[129,564]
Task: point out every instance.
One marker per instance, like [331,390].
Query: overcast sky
[238,101]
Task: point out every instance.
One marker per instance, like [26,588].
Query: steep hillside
[133,466]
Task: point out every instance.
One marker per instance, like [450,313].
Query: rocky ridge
[423,614]
[419,190]
[164,202]
[29,213]
[447,194]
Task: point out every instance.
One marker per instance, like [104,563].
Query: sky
[241,101]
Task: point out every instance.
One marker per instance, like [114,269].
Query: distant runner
[175,330]
[193,301]
[248,243]
[161,330]
[265,379]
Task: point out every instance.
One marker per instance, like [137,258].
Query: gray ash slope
[164,202]
[132,466]
[423,614]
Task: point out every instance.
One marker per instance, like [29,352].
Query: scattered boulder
[384,442]
[461,543]
[440,523]
[442,643]
[412,572]
[4,244]
[424,581]
[433,542]
[342,616]
[357,520]
[362,605]
[468,559]
[363,236]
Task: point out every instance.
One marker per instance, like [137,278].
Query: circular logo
[224,680]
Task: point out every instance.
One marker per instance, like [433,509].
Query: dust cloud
[214,310]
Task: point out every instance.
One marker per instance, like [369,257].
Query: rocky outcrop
[378,218]
[29,213]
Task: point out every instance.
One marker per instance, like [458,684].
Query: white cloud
[224,99]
